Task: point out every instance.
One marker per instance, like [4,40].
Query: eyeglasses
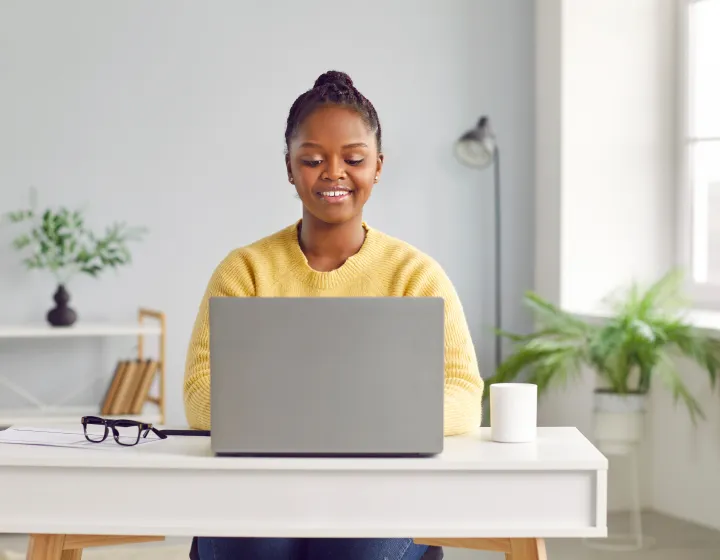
[125,432]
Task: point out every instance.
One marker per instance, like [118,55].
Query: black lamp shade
[476,148]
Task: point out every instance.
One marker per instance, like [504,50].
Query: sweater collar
[348,271]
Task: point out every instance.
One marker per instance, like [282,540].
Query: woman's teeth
[335,193]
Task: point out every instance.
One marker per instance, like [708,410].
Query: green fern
[636,344]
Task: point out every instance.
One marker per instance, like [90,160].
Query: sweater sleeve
[231,278]
[463,383]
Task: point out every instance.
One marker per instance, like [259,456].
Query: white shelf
[63,415]
[77,330]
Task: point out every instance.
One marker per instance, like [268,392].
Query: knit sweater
[275,266]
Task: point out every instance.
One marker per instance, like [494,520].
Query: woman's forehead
[334,125]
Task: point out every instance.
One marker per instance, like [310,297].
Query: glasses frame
[111,425]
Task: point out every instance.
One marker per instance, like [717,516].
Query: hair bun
[334,77]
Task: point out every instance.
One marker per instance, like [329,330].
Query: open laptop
[327,376]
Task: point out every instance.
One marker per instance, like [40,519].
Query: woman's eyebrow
[316,145]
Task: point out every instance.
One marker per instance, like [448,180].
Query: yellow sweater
[275,266]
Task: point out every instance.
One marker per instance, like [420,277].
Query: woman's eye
[354,161]
[312,162]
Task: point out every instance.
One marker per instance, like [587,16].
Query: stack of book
[129,389]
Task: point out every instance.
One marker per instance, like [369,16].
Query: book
[146,376]
[126,388]
[111,392]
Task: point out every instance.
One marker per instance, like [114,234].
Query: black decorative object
[61,315]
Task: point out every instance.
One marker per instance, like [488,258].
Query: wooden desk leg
[50,547]
[526,549]
[45,547]
[70,547]
[514,549]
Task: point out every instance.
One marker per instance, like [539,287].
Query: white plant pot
[619,421]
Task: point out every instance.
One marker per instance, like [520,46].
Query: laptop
[322,376]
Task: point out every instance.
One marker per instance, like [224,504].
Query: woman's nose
[335,169]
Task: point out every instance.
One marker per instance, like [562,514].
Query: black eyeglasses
[125,432]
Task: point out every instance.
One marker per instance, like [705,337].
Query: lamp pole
[477,148]
[498,261]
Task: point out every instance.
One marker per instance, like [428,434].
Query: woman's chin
[333,215]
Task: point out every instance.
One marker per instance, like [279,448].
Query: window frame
[703,295]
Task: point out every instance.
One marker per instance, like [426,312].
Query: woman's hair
[332,88]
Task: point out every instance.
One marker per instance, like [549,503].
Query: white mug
[513,412]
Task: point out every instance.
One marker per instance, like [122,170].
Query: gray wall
[171,115]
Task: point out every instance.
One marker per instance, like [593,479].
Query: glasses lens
[94,429]
[127,432]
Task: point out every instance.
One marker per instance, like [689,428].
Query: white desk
[477,494]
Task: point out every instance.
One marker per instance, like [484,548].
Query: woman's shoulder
[278,241]
[402,252]
[269,251]
[407,263]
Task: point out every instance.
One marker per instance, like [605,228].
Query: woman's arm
[231,278]
[463,383]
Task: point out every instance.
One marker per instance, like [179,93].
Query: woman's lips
[335,196]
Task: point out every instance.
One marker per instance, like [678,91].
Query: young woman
[334,159]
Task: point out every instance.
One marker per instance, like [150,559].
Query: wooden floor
[674,540]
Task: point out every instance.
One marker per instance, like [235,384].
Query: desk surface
[553,487]
[555,449]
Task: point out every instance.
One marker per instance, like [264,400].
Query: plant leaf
[669,374]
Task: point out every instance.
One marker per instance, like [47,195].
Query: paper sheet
[67,437]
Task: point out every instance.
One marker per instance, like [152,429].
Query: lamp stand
[498,261]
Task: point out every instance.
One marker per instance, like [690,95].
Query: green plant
[637,343]
[59,241]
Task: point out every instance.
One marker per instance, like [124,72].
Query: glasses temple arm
[158,433]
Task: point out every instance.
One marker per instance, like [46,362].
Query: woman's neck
[328,246]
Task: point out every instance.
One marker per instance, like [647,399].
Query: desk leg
[70,547]
[526,549]
[514,549]
[45,547]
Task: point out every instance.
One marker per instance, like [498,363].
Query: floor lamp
[477,148]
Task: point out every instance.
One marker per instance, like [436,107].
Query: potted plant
[630,348]
[59,241]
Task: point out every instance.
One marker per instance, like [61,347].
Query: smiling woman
[334,160]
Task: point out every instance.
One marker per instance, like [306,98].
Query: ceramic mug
[513,412]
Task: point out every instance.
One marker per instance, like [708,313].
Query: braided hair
[332,88]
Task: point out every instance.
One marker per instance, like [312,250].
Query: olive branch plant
[59,241]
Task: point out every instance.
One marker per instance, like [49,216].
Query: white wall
[686,458]
[171,114]
[617,165]
[604,170]
[548,147]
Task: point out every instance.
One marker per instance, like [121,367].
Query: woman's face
[333,162]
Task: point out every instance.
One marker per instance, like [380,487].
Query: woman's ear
[288,168]
[379,166]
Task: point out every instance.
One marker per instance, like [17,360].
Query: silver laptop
[327,376]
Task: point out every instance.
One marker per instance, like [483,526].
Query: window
[700,222]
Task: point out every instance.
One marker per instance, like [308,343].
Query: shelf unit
[150,323]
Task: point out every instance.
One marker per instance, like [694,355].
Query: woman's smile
[335,195]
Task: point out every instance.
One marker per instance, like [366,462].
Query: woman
[333,159]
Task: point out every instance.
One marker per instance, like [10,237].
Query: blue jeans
[211,548]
